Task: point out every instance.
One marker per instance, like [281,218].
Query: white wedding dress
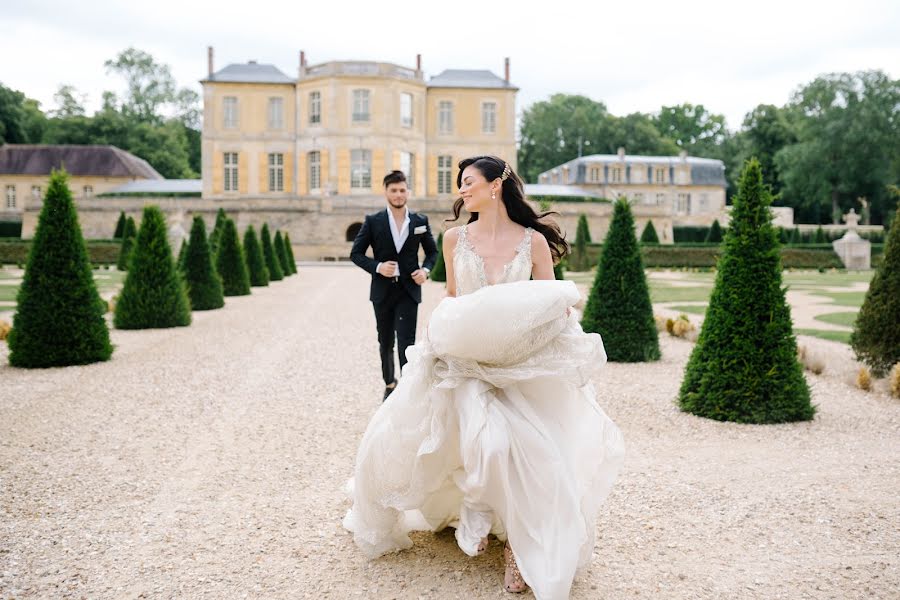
[493,428]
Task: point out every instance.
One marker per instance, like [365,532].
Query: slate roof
[704,171]
[159,186]
[464,78]
[99,161]
[251,72]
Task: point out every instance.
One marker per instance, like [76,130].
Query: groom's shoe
[388,390]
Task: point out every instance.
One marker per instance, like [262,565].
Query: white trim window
[35,192]
[360,106]
[231,171]
[683,204]
[444,173]
[276,172]
[407,165]
[594,174]
[10,196]
[87,191]
[639,198]
[315,170]
[660,199]
[445,117]
[360,169]
[660,175]
[276,113]
[230,112]
[406,110]
[615,174]
[315,108]
[488,117]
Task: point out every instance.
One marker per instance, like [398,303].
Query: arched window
[352,231]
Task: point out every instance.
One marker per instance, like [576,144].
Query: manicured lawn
[854,299]
[106,281]
[842,318]
[834,336]
[691,309]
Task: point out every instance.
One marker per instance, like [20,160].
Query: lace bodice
[469,266]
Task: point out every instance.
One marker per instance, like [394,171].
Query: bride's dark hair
[513,194]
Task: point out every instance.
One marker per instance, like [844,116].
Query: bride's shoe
[482,546]
[512,579]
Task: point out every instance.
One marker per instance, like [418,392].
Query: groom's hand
[387,268]
[419,276]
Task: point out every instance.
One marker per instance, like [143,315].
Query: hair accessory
[506,172]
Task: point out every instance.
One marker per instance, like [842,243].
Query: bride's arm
[541,260]
[448,248]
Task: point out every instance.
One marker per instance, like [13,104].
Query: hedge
[104,252]
[705,255]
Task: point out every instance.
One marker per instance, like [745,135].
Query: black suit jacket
[376,233]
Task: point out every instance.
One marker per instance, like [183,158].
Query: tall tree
[693,128]
[766,130]
[150,84]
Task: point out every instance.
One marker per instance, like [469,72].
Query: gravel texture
[208,462]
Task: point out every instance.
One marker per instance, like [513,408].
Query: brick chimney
[209,59]
[506,68]
[419,63]
[302,63]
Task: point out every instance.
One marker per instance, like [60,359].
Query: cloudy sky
[634,56]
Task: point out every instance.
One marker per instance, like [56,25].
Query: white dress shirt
[400,236]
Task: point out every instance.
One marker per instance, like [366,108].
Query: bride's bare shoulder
[538,241]
[452,234]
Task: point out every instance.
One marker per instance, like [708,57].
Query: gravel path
[208,462]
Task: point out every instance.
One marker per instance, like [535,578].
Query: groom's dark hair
[394,177]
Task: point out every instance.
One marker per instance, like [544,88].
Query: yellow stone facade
[339,127]
[20,191]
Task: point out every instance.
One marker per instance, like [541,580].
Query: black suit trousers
[395,316]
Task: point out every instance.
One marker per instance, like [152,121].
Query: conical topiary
[128,236]
[795,236]
[876,333]
[120,226]
[744,367]
[203,281]
[714,235]
[217,233]
[559,270]
[256,264]
[820,236]
[619,307]
[578,260]
[182,254]
[280,254]
[272,263]
[154,294]
[583,229]
[439,272]
[289,251]
[648,236]
[59,314]
[232,265]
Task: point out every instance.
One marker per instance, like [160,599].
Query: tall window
[360,169]
[683,204]
[445,117]
[445,167]
[488,117]
[406,110]
[10,196]
[639,198]
[231,112]
[276,172]
[231,171]
[36,192]
[315,108]
[615,175]
[276,113]
[407,165]
[595,173]
[87,191]
[659,175]
[315,170]
[360,106]
[660,198]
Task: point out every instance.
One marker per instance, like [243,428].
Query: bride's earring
[493,195]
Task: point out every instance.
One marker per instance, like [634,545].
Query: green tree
[744,367]
[578,260]
[21,121]
[256,263]
[59,314]
[714,235]
[150,85]
[272,263]
[181,262]
[154,294]
[876,332]
[120,227]
[582,229]
[648,236]
[289,250]
[619,307]
[439,272]
[203,282]
[820,236]
[231,263]
[129,234]
[693,128]
[221,217]
[559,270]
[281,255]
[69,102]
[766,130]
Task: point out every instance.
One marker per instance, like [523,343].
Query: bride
[494,427]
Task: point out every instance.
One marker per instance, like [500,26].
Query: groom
[395,235]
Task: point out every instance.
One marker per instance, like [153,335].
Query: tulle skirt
[494,428]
